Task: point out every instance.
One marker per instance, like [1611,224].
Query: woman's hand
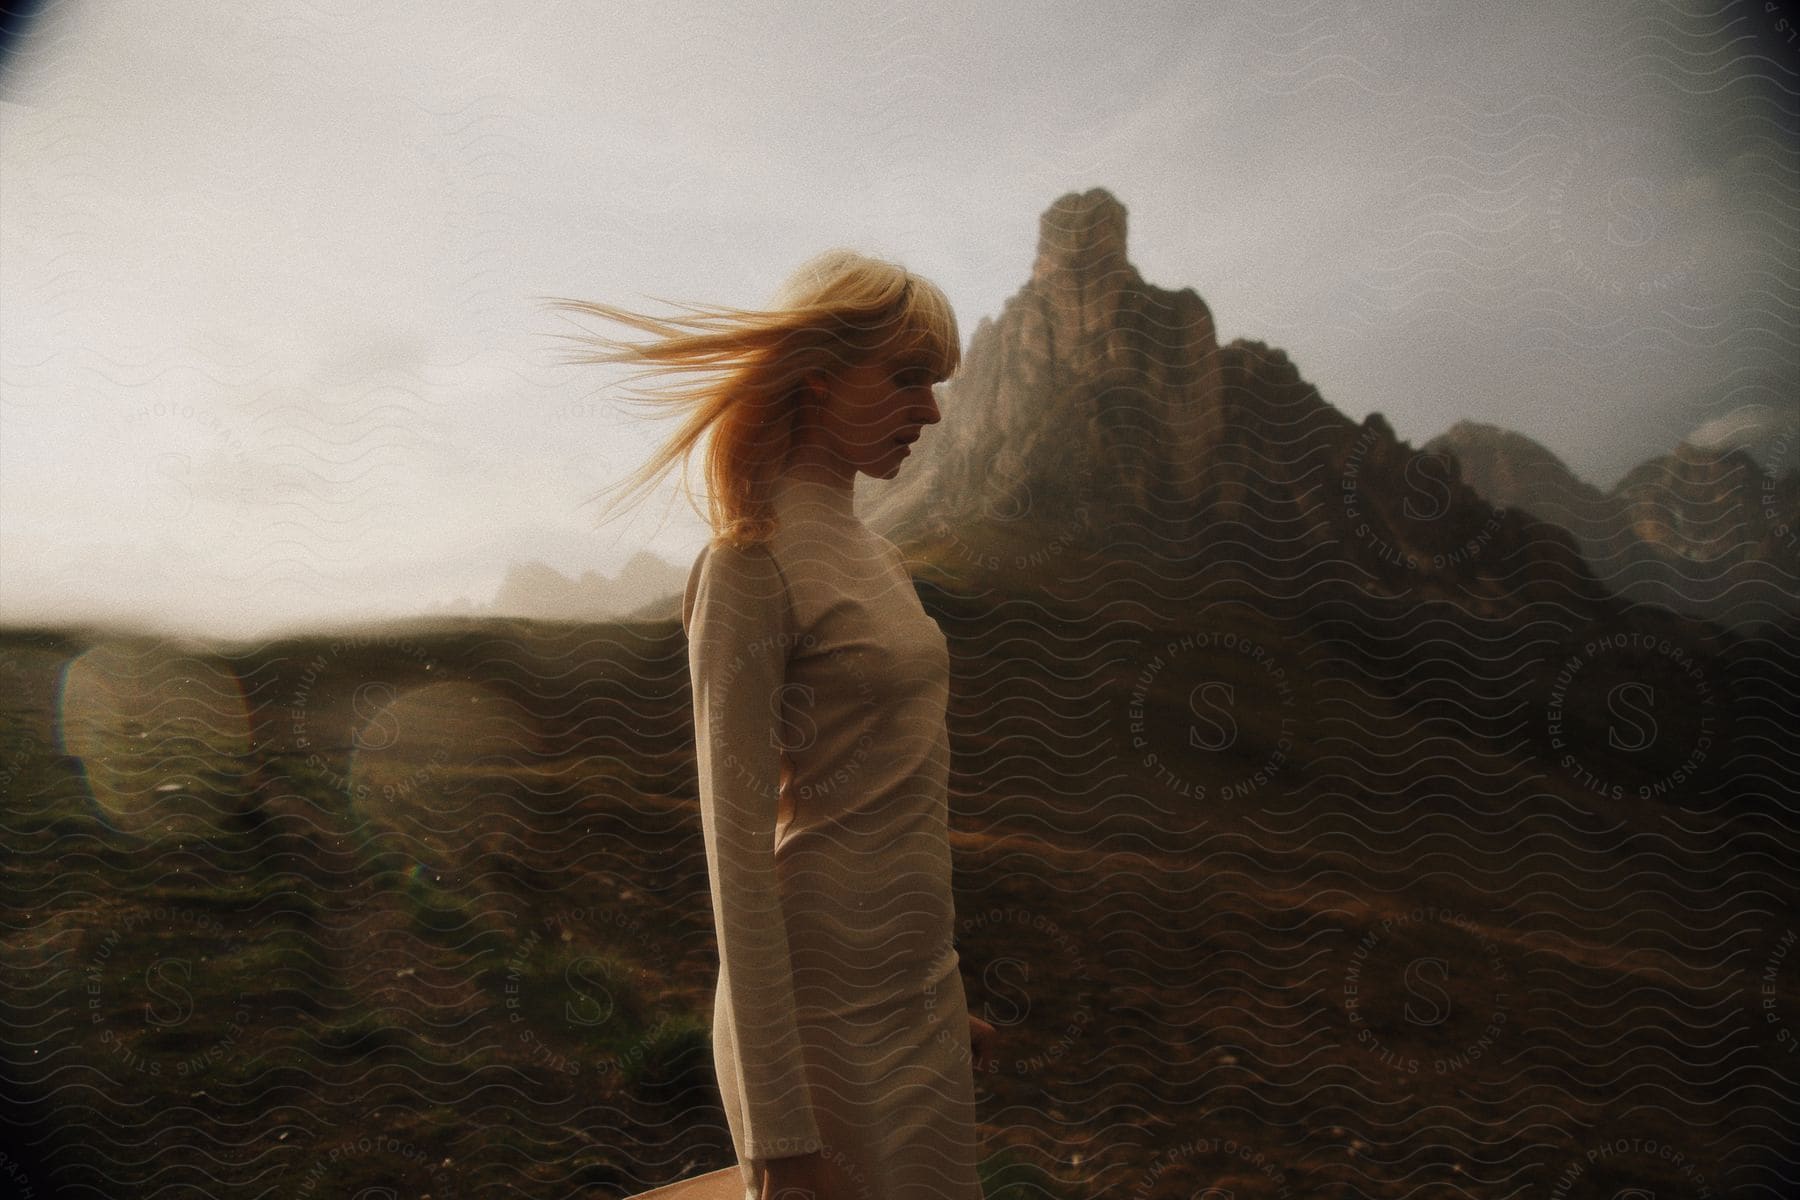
[982,1040]
[796,1177]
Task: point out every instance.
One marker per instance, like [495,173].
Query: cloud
[1769,433]
[1737,429]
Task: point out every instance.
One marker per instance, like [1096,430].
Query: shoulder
[746,573]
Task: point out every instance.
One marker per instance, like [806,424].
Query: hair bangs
[930,332]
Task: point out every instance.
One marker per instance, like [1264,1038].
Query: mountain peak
[1081,233]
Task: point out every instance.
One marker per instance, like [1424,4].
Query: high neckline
[808,490]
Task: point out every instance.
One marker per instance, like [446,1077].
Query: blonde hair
[839,309]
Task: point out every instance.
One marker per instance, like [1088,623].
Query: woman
[841,1034]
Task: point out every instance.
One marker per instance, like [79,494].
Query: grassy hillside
[1256,905]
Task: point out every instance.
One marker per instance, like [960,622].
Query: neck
[821,471]
[815,483]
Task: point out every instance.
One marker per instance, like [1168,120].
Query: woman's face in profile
[876,409]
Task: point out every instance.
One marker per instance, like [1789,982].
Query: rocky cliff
[1098,416]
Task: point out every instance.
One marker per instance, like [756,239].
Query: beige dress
[839,1022]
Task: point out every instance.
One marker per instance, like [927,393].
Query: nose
[931,416]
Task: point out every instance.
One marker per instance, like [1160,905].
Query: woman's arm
[737,656]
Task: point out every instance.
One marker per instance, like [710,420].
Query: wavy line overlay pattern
[1320,828]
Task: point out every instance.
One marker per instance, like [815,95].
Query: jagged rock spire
[1082,233]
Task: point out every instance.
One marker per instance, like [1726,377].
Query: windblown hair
[755,367]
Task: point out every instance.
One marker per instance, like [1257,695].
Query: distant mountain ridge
[539,591]
[1706,531]
[1098,413]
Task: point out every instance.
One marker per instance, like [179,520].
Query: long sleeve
[736,613]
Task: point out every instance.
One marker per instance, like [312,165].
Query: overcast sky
[268,343]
